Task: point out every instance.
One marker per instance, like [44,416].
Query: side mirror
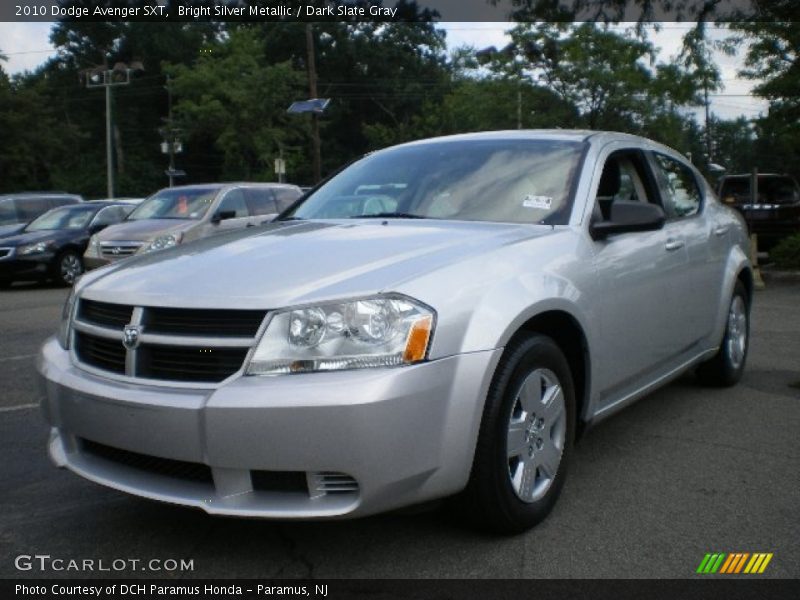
[222,216]
[627,217]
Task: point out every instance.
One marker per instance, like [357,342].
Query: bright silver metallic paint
[406,434]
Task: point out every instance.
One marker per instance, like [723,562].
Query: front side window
[234,202]
[682,197]
[68,217]
[176,203]
[513,181]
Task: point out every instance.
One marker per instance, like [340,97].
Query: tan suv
[182,214]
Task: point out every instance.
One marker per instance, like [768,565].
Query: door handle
[720,231]
[250,225]
[672,245]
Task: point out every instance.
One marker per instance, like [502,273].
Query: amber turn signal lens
[418,337]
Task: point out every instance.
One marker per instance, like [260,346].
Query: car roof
[40,194]
[219,186]
[568,135]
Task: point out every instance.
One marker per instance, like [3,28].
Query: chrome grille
[100,352]
[119,249]
[199,346]
[331,483]
[103,313]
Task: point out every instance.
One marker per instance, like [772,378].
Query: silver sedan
[440,319]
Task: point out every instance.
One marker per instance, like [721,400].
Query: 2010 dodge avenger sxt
[438,319]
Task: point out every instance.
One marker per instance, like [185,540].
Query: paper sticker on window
[543,202]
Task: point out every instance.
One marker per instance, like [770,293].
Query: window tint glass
[622,180]
[30,208]
[681,193]
[234,201]
[8,213]
[176,203]
[260,201]
[109,216]
[66,217]
[286,196]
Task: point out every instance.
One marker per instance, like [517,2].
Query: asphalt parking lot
[685,471]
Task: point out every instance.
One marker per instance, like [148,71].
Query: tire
[521,457]
[68,266]
[727,366]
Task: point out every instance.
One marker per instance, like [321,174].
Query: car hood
[8,230]
[288,263]
[143,230]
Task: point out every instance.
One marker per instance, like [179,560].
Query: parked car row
[56,236]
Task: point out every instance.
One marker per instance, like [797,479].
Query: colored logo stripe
[735,562]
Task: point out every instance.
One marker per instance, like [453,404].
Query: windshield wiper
[390,215]
[288,219]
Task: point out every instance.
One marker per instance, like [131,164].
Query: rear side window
[261,201]
[8,213]
[61,201]
[682,197]
[30,208]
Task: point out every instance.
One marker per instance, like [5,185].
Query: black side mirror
[222,216]
[627,217]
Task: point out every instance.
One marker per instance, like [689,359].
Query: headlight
[382,331]
[162,242]
[93,249]
[36,248]
[66,320]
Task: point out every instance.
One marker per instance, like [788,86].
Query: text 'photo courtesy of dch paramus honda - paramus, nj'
[440,319]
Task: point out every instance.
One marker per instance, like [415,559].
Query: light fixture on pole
[102,76]
[314,107]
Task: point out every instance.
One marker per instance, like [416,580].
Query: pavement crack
[295,555]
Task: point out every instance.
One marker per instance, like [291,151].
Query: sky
[27,45]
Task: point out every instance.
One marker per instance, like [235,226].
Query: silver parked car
[439,319]
[182,214]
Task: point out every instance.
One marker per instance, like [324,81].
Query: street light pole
[312,90]
[102,76]
[109,154]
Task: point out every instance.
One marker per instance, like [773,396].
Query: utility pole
[107,78]
[519,106]
[708,123]
[312,90]
[171,144]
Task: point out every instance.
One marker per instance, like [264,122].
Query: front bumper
[405,435]
[33,267]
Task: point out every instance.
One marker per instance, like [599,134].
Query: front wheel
[69,267]
[525,439]
[727,366]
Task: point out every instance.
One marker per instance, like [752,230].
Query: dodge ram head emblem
[130,336]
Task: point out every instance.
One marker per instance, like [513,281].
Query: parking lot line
[5,409]
[18,357]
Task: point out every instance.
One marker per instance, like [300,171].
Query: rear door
[705,245]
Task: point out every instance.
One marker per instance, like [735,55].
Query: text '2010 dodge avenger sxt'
[438,319]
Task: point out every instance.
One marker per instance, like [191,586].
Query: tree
[232,103]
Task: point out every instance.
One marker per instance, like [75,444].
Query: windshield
[514,181]
[68,217]
[176,204]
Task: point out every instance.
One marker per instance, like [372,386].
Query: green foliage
[786,253]
[234,102]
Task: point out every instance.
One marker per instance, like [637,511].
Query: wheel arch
[568,334]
